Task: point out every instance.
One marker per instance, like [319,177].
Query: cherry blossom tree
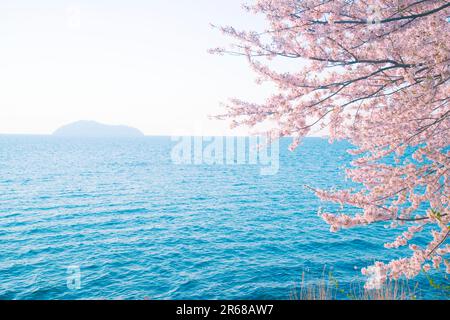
[375,73]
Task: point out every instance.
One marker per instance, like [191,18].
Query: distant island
[96,129]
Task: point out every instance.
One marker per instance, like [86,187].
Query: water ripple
[137,226]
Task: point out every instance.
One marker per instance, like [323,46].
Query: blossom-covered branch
[377,74]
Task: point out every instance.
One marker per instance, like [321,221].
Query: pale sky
[139,63]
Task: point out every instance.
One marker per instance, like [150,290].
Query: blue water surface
[139,226]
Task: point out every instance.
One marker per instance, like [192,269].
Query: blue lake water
[139,226]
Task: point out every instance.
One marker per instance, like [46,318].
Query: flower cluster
[375,73]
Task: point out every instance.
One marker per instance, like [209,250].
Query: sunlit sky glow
[138,63]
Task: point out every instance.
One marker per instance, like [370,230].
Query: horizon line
[149,135]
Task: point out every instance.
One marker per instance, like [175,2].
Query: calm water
[139,226]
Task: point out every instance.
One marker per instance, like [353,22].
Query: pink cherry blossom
[375,73]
